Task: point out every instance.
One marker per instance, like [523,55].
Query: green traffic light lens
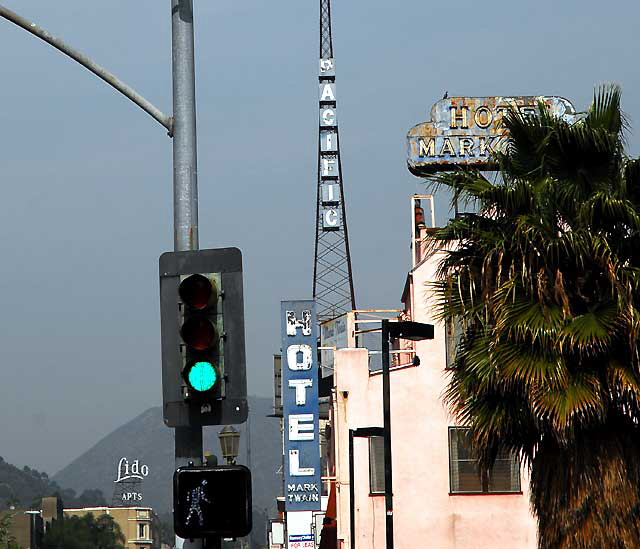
[202,376]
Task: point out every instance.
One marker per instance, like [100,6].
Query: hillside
[23,488]
[147,439]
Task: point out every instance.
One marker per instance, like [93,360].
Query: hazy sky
[86,203]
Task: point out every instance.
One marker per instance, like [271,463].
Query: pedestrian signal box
[212,501]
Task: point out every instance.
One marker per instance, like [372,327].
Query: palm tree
[7,540]
[545,281]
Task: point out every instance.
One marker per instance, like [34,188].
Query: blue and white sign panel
[300,405]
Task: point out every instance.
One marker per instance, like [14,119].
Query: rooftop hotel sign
[464,131]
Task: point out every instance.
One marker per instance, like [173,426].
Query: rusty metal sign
[465,131]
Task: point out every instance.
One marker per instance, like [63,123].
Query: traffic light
[202,325]
[212,501]
[202,332]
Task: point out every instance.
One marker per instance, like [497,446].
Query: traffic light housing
[202,325]
[202,333]
[212,501]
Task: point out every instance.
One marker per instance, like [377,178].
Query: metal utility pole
[90,65]
[386,403]
[332,278]
[182,127]
[185,171]
[413,331]
[188,440]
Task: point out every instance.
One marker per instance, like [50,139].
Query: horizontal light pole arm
[96,69]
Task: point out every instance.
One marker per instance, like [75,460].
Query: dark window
[466,477]
[376,465]
[325,439]
[453,329]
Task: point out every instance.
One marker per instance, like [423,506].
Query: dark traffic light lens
[197,291]
[198,332]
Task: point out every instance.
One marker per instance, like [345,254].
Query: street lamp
[414,331]
[229,443]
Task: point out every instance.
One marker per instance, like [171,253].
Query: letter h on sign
[300,403]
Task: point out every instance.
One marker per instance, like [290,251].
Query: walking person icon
[194,498]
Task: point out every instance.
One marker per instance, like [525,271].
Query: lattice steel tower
[332,278]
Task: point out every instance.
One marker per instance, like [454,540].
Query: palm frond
[605,112]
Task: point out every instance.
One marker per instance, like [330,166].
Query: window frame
[377,489]
[484,475]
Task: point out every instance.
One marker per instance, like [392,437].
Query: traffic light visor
[197,291]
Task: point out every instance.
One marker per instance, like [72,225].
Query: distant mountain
[24,488]
[146,439]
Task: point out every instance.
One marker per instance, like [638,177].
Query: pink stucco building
[441,499]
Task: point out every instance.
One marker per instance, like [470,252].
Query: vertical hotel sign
[300,405]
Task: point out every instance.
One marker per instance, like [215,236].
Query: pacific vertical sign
[329,158]
[300,405]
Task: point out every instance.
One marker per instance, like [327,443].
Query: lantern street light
[229,443]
